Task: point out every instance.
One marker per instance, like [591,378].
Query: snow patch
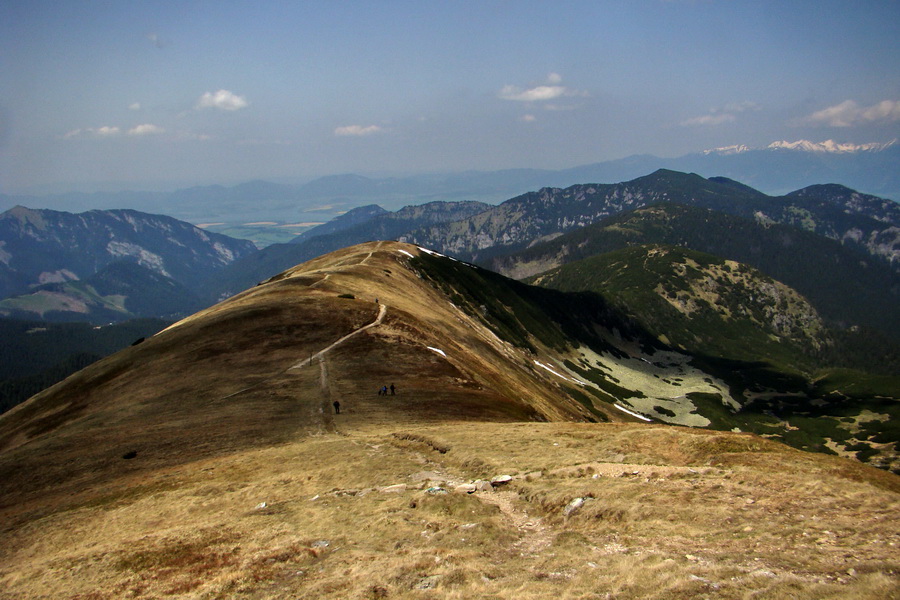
[438,350]
[144,257]
[632,413]
[433,253]
[560,375]
[406,253]
[60,276]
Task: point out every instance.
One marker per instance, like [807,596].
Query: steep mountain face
[848,289]
[540,216]
[333,236]
[209,460]
[43,246]
[700,303]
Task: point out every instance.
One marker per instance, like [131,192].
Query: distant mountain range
[780,167]
[105,265]
[869,223]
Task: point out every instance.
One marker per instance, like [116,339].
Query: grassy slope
[782,378]
[218,425]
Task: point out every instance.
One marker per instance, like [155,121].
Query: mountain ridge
[208,460]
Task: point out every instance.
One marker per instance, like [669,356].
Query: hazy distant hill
[119,291]
[362,225]
[351,218]
[776,169]
[47,255]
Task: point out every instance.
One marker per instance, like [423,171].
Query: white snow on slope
[632,413]
[561,376]
[438,350]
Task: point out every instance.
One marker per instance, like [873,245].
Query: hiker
[337,407]
[384,390]
[392,389]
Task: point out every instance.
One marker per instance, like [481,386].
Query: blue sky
[161,94]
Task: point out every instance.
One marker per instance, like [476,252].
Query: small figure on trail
[384,390]
[376,300]
[392,389]
[337,407]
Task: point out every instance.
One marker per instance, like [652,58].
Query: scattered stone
[573,506]
[483,486]
[435,490]
[396,488]
[260,506]
[314,498]
[501,480]
[428,476]
[427,583]
[748,528]
[762,573]
[711,584]
[321,544]
[465,488]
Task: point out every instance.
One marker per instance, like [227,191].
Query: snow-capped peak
[735,149]
[829,146]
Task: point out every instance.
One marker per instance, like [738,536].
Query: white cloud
[106,131]
[849,113]
[134,106]
[539,93]
[357,130]
[528,118]
[535,94]
[711,119]
[89,132]
[146,129]
[223,100]
[720,116]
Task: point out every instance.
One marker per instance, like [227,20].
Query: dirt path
[382,311]
[371,252]
[325,406]
[536,536]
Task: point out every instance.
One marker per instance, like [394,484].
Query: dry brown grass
[669,512]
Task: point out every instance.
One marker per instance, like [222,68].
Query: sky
[163,94]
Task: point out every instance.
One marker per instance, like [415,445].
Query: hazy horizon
[154,96]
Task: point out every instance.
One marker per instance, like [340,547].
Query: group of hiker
[382,391]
